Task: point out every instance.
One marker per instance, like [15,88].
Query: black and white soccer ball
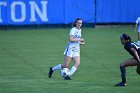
[65,72]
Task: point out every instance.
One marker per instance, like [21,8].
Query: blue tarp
[117,11]
[28,12]
[20,12]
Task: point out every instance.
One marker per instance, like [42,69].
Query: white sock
[57,67]
[72,70]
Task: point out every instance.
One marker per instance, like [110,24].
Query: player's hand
[82,41]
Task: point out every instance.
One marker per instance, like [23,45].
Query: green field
[26,55]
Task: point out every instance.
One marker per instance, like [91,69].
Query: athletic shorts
[71,52]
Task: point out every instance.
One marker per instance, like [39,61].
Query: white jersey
[138,23]
[73,48]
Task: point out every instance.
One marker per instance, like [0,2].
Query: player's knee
[65,65]
[121,65]
[78,64]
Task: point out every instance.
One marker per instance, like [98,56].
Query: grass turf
[26,55]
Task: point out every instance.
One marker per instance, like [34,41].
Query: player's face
[123,41]
[78,24]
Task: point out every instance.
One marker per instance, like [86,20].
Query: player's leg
[76,61]
[138,69]
[127,63]
[52,69]
[138,38]
[139,35]
[66,63]
[67,60]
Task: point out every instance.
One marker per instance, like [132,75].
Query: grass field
[26,55]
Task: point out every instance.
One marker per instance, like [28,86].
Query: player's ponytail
[125,37]
[129,38]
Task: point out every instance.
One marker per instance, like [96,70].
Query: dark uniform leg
[138,69]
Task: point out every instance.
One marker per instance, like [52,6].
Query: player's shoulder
[138,18]
[73,28]
[128,44]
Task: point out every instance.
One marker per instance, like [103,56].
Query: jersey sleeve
[72,31]
[128,46]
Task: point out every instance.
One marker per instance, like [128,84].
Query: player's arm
[136,54]
[72,39]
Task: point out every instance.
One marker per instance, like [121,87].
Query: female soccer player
[133,50]
[138,27]
[72,50]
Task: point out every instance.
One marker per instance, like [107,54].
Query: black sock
[123,74]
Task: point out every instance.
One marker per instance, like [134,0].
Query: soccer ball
[65,72]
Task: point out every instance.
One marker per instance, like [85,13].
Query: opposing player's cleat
[50,72]
[121,84]
[67,78]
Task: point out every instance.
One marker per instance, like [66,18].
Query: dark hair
[125,37]
[74,24]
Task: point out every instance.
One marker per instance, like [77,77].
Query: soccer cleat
[121,84]
[67,78]
[50,73]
